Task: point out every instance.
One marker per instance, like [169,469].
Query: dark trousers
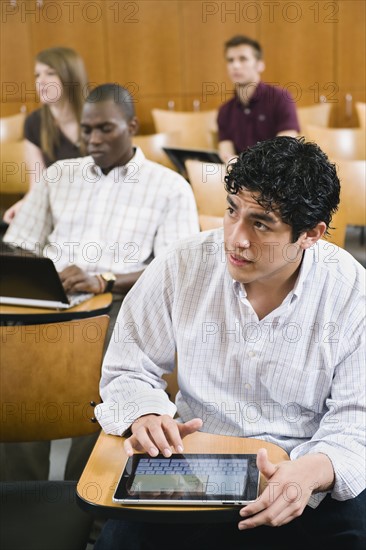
[31,461]
[333,524]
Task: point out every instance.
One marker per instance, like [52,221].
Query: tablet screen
[189,479]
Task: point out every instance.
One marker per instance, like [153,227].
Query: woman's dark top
[32,132]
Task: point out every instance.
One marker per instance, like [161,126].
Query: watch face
[109,276]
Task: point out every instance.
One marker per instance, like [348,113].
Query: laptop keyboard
[76,299]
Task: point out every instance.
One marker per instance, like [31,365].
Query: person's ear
[310,237]
[133,126]
[261,66]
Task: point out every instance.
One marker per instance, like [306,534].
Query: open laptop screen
[32,281]
[179,155]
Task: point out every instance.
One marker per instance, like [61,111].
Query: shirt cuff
[116,418]
[345,485]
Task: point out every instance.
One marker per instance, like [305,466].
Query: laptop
[179,155]
[28,280]
[189,479]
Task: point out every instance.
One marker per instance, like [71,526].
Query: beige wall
[166,50]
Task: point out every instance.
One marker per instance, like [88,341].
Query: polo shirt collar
[255,97]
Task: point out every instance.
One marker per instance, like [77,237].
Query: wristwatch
[110,279]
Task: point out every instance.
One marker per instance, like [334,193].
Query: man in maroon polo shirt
[258,111]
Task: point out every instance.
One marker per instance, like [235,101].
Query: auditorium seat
[197,128]
[207,181]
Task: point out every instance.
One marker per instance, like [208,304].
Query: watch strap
[108,278]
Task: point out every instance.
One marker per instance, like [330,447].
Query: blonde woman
[53,132]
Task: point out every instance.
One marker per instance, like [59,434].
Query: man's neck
[267,295]
[120,164]
[245,92]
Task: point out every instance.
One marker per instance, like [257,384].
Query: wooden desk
[97,305]
[102,472]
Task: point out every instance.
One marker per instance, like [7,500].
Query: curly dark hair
[290,176]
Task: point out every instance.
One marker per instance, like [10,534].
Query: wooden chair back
[207,181]
[210,222]
[195,127]
[337,235]
[152,146]
[352,174]
[339,143]
[14,175]
[361,113]
[50,377]
[316,115]
[11,127]
[352,206]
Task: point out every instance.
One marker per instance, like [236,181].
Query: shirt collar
[239,290]
[255,97]
[306,264]
[119,172]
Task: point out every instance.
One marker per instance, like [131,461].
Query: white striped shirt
[295,378]
[116,222]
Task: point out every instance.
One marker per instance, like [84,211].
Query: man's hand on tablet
[154,434]
[290,486]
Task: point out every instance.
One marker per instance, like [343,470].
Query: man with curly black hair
[267,319]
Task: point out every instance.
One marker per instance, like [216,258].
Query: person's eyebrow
[231,202]
[262,216]
[232,57]
[100,125]
[268,218]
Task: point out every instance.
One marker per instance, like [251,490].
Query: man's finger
[161,437]
[130,445]
[72,281]
[69,270]
[142,437]
[190,427]
[264,465]
[173,435]
[261,513]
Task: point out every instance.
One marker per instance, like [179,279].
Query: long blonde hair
[71,70]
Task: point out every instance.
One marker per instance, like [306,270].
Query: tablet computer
[189,479]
